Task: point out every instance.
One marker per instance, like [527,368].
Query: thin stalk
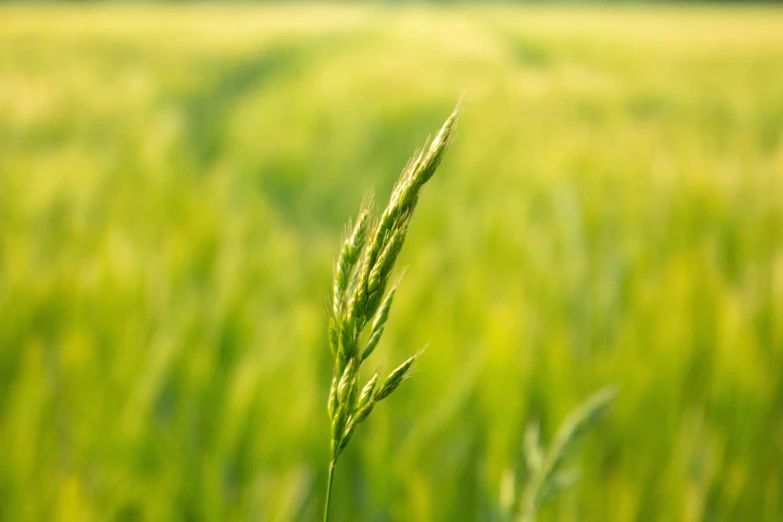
[329,491]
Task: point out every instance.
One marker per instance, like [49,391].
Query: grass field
[173,187]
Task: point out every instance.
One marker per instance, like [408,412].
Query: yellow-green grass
[173,185]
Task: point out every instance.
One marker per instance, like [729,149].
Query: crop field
[174,185]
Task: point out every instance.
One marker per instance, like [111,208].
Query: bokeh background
[174,183]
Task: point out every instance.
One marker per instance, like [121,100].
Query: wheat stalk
[545,474]
[360,299]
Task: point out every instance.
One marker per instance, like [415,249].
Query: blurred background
[174,183]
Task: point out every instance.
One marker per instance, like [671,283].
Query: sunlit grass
[173,181]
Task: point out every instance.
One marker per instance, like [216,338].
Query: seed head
[361,275]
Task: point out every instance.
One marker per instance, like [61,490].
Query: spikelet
[396,377]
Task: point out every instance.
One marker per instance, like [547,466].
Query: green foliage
[173,180]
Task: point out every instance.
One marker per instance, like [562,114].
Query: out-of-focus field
[173,186]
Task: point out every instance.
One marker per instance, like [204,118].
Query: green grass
[174,180]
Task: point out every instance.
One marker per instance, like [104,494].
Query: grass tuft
[545,474]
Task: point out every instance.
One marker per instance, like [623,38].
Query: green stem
[329,491]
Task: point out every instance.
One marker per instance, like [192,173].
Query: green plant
[361,277]
[545,476]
